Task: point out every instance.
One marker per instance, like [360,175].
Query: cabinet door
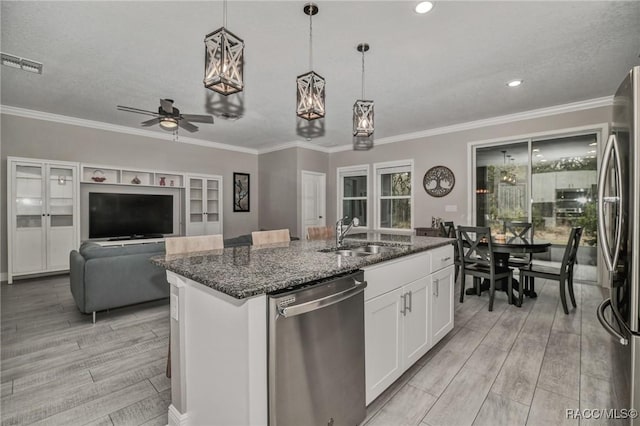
[416,321]
[442,292]
[195,206]
[212,214]
[61,222]
[383,342]
[28,218]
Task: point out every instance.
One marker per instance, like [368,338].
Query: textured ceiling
[423,71]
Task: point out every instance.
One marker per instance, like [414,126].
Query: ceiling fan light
[363,118]
[310,99]
[224,61]
[168,123]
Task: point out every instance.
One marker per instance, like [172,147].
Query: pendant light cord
[363,74]
[224,13]
[311,40]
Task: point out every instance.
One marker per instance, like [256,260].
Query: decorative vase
[162,181]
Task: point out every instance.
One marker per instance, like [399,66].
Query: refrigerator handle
[603,321]
[620,200]
[602,180]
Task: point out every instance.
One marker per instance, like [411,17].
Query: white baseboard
[176,418]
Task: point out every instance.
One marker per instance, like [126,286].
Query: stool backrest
[178,245]
[447,230]
[270,237]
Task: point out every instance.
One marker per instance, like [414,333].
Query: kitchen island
[219,316]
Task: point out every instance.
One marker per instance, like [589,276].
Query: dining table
[502,251]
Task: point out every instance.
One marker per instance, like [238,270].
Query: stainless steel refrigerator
[619,236]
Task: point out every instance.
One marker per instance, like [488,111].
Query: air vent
[21,63]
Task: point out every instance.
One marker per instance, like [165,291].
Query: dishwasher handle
[293,310]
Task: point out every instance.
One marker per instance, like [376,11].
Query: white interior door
[313,200]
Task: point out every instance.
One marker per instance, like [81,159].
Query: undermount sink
[362,250]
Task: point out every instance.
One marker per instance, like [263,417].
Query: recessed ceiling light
[539,155]
[593,144]
[543,161]
[593,151]
[536,150]
[424,7]
[514,83]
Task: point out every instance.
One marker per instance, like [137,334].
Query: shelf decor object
[439,181]
[311,86]
[98,176]
[241,192]
[224,60]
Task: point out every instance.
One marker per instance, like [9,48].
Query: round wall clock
[438,181]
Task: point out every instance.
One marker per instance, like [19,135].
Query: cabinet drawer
[387,276]
[441,257]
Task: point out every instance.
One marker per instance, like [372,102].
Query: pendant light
[363,109]
[310,98]
[224,57]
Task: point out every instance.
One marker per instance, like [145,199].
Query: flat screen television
[129,215]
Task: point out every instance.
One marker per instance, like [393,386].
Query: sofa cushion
[91,250]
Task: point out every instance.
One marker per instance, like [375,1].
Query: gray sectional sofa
[106,277]
[114,276]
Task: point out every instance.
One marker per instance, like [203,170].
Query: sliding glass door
[550,182]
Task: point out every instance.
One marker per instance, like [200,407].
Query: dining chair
[518,232]
[320,232]
[477,260]
[182,245]
[270,237]
[448,230]
[564,274]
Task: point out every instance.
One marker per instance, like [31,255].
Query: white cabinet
[204,205]
[42,214]
[383,341]
[416,340]
[441,308]
[407,310]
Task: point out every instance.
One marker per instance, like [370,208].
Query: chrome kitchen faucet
[340,233]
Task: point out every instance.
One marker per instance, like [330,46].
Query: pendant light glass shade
[310,100]
[310,86]
[363,118]
[224,60]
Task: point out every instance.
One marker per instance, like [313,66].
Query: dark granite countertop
[247,271]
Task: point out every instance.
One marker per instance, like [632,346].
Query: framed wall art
[438,181]
[241,200]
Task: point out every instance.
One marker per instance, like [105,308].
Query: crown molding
[503,119]
[294,144]
[64,119]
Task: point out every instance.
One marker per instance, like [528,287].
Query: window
[353,193]
[394,193]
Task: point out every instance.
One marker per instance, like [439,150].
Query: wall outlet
[451,208]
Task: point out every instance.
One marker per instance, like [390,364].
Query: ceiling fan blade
[136,110]
[187,126]
[150,122]
[198,118]
[167,105]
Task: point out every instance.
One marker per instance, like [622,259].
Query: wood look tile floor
[512,366]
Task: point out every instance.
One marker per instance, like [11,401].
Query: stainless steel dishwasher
[316,353]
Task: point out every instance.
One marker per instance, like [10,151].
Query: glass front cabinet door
[204,205]
[43,216]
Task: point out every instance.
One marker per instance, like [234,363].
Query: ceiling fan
[169,117]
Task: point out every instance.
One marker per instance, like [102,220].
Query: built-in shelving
[113,175]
